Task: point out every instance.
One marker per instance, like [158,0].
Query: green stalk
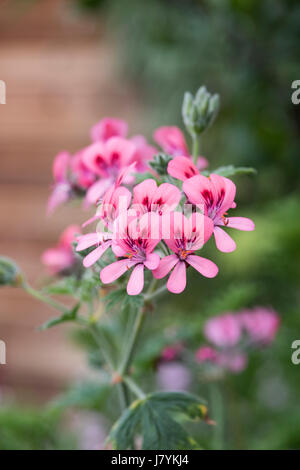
[43,298]
[196,148]
[135,388]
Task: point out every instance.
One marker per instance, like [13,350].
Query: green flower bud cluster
[199,111]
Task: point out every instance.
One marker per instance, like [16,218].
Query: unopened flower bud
[199,112]
[9,273]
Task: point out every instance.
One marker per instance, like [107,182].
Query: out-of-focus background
[66,64]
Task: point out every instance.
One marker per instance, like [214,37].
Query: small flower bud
[199,112]
[9,273]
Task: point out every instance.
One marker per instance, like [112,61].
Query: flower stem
[43,298]
[132,342]
[196,145]
[134,388]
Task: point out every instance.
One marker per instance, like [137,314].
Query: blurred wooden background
[61,76]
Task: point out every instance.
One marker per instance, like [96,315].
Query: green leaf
[9,272]
[231,170]
[64,318]
[160,163]
[157,418]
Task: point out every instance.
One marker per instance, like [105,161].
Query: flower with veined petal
[216,193]
[148,197]
[135,243]
[186,237]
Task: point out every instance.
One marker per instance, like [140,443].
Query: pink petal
[199,189]
[107,128]
[165,266]
[223,241]
[204,266]
[240,223]
[96,254]
[94,158]
[224,330]
[166,198]
[69,236]
[177,280]
[96,191]
[152,261]
[119,152]
[171,140]
[60,195]
[182,168]
[60,166]
[113,271]
[88,240]
[144,192]
[225,192]
[57,259]
[202,163]
[136,281]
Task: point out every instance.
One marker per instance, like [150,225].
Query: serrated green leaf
[64,318]
[231,170]
[156,419]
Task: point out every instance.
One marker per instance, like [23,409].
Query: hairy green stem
[134,388]
[43,298]
[196,145]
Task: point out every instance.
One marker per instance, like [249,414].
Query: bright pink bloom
[61,257]
[107,160]
[147,197]
[107,128]
[206,354]
[186,236]
[144,152]
[62,187]
[170,353]
[261,324]
[135,242]
[115,201]
[216,195]
[223,331]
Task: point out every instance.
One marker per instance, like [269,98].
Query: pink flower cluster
[92,170]
[232,335]
[159,228]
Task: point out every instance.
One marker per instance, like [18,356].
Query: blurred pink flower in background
[61,257]
[62,187]
[170,353]
[223,331]
[173,375]
[261,324]
[234,335]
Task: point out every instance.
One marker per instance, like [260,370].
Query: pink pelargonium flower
[62,187]
[135,241]
[223,331]
[186,236]
[144,152]
[261,324]
[115,201]
[107,128]
[61,257]
[216,194]
[230,360]
[108,160]
[147,197]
